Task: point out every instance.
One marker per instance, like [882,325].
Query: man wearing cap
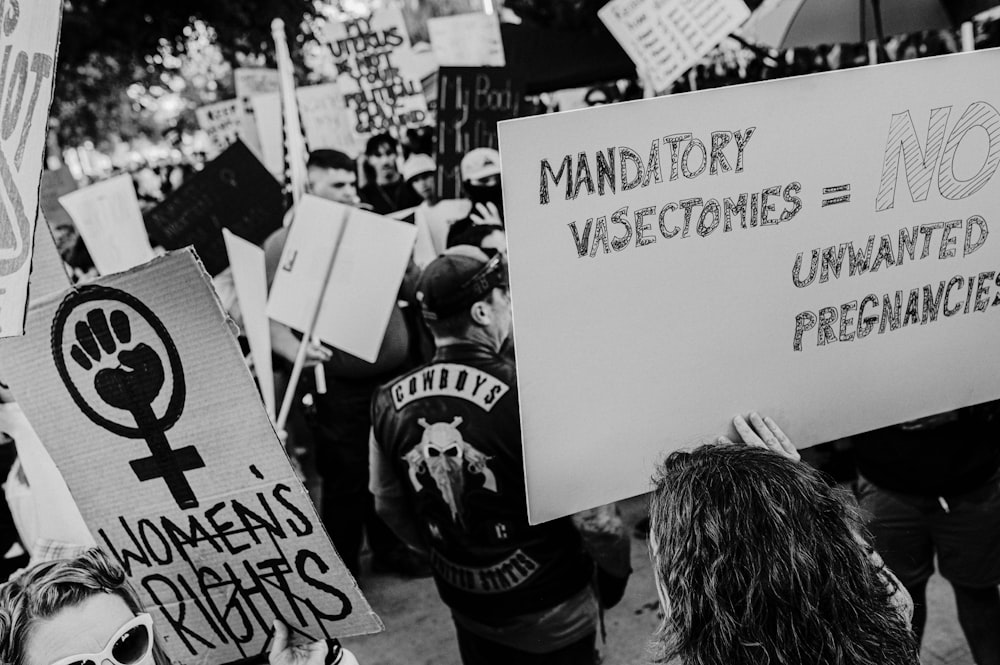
[446,472]
[480,170]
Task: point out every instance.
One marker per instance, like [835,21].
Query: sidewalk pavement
[418,627]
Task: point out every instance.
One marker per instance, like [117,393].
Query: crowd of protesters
[758,556]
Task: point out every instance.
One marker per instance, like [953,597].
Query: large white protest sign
[367,271]
[139,390]
[376,70]
[467,40]
[223,122]
[814,248]
[31,35]
[109,220]
[665,38]
[267,119]
[326,120]
[246,260]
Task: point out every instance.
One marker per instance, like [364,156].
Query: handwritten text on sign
[138,375]
[29,37]
[751,248]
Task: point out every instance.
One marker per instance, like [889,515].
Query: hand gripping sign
[139,392]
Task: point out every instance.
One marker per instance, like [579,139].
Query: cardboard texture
[665,38]
[233,192]
[366,275]
[470,102]
[57,517]
[48,273]
[326,120]
[223,122]
[249,275]
[139,376]
[53,185]
[744,249]
[467,40]
[377,71]
[109,220]
[31,39]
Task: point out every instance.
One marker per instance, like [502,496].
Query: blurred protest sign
[53,185]
[267,121]
[138,375]
[467,40]
[109,220]
[247,263]
[326,121]
[31,37]
[363,284]
[223,122]
[250,81]
[717,265]
[235,192]
[471,100]
[375,70]
[666,37]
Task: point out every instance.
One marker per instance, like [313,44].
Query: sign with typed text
[817,249]
[138,388]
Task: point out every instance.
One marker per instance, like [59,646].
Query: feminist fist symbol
[130,375]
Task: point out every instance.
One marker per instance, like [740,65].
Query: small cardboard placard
[233,192]
[471,100]
[250,81]
[665,38]
[31,39]
[109,220]
[223,122]
[363,285]
[467,40]
[745,249]
[326,120]
[376,71]
[138,388]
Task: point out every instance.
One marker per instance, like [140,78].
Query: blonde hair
[42,591]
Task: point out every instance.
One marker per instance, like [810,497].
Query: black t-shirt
[944,455]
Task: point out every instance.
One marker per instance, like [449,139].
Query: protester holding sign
[757,559]
[84,610]
[932,487]
[447,476]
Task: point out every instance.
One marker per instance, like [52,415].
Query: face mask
[479,194]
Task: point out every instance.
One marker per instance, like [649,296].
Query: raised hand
[764,433]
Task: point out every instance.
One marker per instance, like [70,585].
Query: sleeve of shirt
[382,479]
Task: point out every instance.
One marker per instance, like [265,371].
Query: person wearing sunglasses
[758,559]
[83,611]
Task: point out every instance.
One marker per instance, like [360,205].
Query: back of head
[45,589]
[759,561]
[330,159]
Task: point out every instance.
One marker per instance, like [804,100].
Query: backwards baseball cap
[416,165]
[458,278]
[480,163]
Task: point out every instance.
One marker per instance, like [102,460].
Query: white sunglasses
[130,645]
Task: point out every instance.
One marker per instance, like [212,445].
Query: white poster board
[813,248]
[139,390]
[250,81]
[665,38]
[326,120]
[109,220]
[467,40]
[267,119]
[223,122]
[30,39]
[367,272]
[246,260]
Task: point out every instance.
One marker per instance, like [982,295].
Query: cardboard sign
[53,185]
[665,38]
[745,249]
[223,122]
[31,37]
[138,376]
[234,192]
[109,220]
[250,81]
[367,272]
[471,100]
[250,279]
[48,272]
[371,57]
[326,121]
[467,40]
